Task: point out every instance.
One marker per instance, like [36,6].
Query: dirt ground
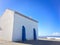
[2,42]
[31,42]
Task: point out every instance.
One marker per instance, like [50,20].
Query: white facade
[11,25]
[0,29]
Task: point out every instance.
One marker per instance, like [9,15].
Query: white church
[15,26]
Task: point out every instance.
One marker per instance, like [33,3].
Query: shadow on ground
[40,42]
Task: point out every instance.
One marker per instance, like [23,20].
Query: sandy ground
[2,42]
[31,42]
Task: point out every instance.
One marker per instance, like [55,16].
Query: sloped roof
[24,16]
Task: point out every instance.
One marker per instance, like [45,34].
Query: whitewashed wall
[0,29]
[20,21]
[12,26]
[7,25]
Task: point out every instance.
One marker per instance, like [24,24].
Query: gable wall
[7,25]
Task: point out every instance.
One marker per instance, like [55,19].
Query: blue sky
[47,12]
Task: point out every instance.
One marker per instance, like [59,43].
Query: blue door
[23,34]
[34,33]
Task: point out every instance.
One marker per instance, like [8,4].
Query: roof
[24,16]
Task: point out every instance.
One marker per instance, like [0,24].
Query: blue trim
[23,34]
[34,31]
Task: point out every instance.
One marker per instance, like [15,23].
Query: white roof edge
[26,17]
[23,15]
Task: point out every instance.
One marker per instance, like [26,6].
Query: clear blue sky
[47,12]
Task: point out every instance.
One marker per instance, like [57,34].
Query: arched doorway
[23,34]
[34,34]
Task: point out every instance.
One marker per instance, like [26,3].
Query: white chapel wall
[20,21]
[7,25]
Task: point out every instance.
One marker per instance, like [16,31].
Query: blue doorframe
[23,34]
[34,33]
